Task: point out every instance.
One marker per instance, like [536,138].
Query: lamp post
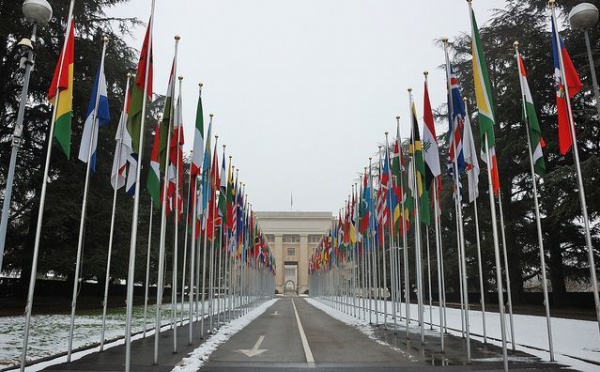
[38,12]
[583,17]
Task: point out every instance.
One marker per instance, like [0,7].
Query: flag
[97,116]
[175,168]
[400,184]
[118,174]
[430,145]
[198,150]
[573,85]
[364,208]
[206,183]
[383,212]
[223,191]
[456,114]
[472,164]
[483,94]
[166,128]
[61,92]
[535,133]
[153,181]
[416,150]
[142,86]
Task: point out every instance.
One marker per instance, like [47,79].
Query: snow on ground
[48,335]
[199,356]
[576,342]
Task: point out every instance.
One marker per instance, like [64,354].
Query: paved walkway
[292,335]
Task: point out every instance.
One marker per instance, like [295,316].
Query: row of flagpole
[240,275]
[352,245]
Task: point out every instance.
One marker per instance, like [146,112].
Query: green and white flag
[530,116]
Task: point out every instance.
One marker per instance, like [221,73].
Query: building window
[314,239]
[291,251]
[291,238]
[271,238]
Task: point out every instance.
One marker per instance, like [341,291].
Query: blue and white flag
[101,114]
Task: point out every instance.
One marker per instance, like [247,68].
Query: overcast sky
[303,90]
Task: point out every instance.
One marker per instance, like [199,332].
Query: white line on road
[309,356]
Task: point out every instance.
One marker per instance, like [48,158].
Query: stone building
[293,236]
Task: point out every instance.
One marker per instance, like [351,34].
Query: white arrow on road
[255,350]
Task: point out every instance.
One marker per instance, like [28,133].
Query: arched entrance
[290,287]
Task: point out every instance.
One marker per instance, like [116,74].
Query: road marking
[255,349]
[309,356]
[275,313]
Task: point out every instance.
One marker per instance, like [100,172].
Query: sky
[303,91]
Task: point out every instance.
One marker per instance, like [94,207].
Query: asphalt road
[273,342]
[292,335]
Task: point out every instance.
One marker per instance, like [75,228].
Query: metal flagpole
[146,282]
[496,255]
[176,218]
[506,273]
[429,278]
[112,220]
[193,240]
[185,249]
[369,255]
[479,261]
[537,212]
[393,272]
[385,307]
[418,243]
[458,203]
[375,285]
[212,251]
[136,205]
[84,205]
[40,219]
[439,262]
[163,222]
[586,221]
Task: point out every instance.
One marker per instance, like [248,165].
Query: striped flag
[153,181]
[430,145]
[483,94]
[61,92]
[535,133]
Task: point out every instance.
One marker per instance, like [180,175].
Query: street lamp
[38,12]
[583,17]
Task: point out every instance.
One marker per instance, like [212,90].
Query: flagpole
[383,248]
[393,272]
[192,198]
[112,219]
[458,203]
[439,264]
[506,273]
[477,236]
[176,217]
[185,249]
[418,242]
[582,199]
[537,213]
[38,231]
[212,247]
[136,205]
[163,216]
[404,232]
[147,280]
[84,204]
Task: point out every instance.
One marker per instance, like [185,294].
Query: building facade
[292,237]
